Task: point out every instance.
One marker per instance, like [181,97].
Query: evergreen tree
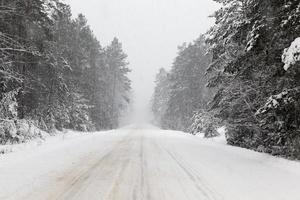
[119,83]
[185,85]
[247,43]
[54,73]
[161,97]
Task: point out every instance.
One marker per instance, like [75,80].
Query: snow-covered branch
[291,55]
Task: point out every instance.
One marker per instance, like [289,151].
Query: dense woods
[182,91]
[54,73]
[250,65]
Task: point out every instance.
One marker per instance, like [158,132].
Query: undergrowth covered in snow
[291,54]
[19,131]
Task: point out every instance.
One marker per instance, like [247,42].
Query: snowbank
[221,138]
[46,139]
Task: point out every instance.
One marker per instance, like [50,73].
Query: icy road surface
[145,164]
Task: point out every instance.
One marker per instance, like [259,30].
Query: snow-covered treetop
[291,54]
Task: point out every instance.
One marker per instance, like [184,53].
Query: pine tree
[54,73]
[119,83]
[184,87]
[247,43]
[161,97]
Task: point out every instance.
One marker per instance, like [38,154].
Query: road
[144,163]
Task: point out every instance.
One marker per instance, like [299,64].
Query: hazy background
[150,31]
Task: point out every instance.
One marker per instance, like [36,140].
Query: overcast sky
[150,31]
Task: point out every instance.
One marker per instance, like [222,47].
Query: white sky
[150,31]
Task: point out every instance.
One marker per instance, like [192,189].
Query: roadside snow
[136,162]
[32,164]
[219,139]
[47,139]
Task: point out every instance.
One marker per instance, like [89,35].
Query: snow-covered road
[144,163]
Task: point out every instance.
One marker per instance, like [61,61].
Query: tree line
[245,75]
[54,73]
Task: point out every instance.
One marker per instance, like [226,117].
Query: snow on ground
[30,164]
[58,137]
[142,162]
[219,139]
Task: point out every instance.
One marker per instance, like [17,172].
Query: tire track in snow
[198,183]
[143,175]
[193,170]
[77,179]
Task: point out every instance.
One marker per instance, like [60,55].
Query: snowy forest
[54,73]
[150,99]
[244,74]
